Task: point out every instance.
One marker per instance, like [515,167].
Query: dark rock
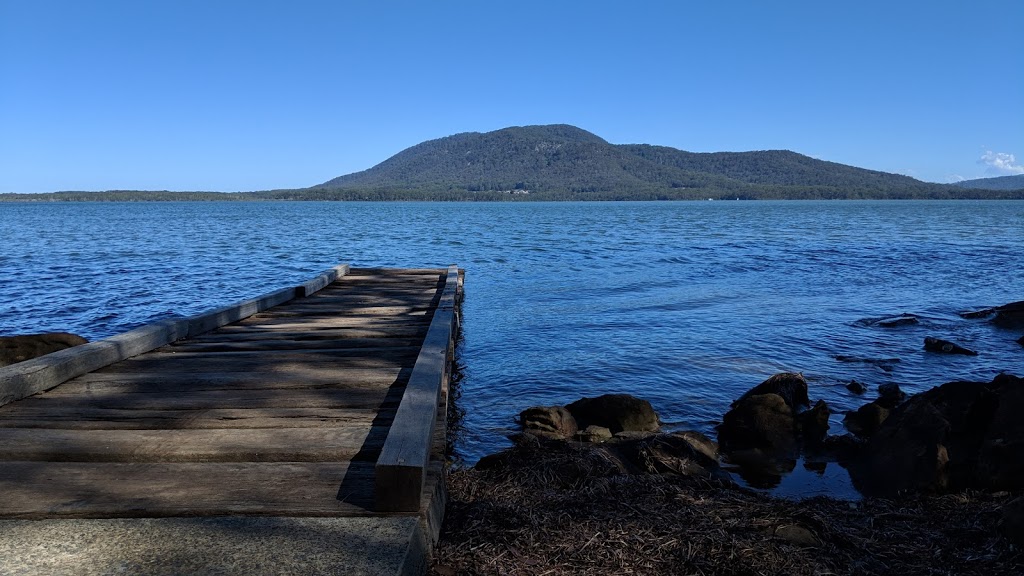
[886,364]
[901,320]
[890,395]
[14,349]
[797,535]
[866,420]
[594,434]
[929,443]
[1001,454]
[548,421]
[856,387]
[813,423]
[764,422]
[682,453]
[1012,522]
[946,347]
[1010,315]
[1020,341]
[790,386]
[616,412]
[983,313]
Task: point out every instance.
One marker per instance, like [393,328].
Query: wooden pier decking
[330,404]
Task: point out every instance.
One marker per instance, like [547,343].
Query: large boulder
[790,386]
[548,422]
[955,436]
[763,422]
[1001,454]
[616,412]
[15,349]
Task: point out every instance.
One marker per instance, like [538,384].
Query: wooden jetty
[317,411]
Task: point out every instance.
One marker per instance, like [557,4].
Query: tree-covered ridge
[565,162]
[562,162]
[1015,182]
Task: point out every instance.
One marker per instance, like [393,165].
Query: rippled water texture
[686,304]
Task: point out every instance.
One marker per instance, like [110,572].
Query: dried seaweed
[556,511]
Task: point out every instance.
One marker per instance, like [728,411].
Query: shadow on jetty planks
[278,413]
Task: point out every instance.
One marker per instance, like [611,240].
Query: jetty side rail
[401,469]
[45,372]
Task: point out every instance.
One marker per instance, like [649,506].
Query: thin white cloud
[954,178]
[1000,163]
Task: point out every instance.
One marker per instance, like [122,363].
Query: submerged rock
[901,320]
[14,349]
[616,412]
[946,347]
[856,387]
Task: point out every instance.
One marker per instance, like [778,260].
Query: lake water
[685,304]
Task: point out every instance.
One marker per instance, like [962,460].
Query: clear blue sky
[251,95]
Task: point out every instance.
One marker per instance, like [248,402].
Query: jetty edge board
[402,467]
[24,379]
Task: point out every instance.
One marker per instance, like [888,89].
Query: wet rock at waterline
[856,387]
[890,395]
[791,386]
[956,436]
[763,422]
[946,347]
[616,412]
[548,421]
[1010,315]
[14,349]
[866,420]
[1020,341]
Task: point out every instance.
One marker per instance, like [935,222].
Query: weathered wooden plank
[102,490]
[347,397]
[97,418]
[171,382]
[268,363]
[356,345]
[190,445]
[401,469]
[256,333]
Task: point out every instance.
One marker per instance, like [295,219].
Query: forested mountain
[561,162]
[1015,182]
[565,162]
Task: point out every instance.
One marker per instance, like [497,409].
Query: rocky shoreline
[595,487]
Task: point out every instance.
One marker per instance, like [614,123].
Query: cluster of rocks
[1008,316]
[609,435]
[14,349]
[957,436]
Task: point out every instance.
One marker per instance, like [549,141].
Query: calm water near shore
[685,304]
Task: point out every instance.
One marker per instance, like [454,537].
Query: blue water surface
[686,304]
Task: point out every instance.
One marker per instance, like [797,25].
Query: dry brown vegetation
[547,514]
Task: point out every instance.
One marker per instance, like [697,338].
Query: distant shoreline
[316,195]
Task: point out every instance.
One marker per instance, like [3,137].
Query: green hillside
[1015,182]
[562,162]
[565,162]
